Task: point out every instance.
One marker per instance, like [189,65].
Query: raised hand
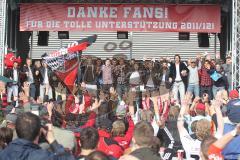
[187,99]
[26,88]
[196,99]
[238,129]
[49,134]
[216,103]
[49,109]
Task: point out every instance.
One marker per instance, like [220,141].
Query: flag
[215,76]
[65,61]
[68,76]
[75,46]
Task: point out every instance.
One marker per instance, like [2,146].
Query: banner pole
[215,45]
[31,46]
[131,39]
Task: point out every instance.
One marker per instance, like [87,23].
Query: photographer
[28,128]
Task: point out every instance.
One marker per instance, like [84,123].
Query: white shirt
[15,75]
[193,75]
[150,82]
[191,146]
[30,76]
[163,77]
[46,81]
[135,78]
[178,76]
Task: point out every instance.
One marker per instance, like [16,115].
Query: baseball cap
[233,94]
[233,110]
[200,106]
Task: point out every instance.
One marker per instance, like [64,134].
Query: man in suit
[152,76]
[12,87]
[178,76]
[29,71]
[45,87]
[164,77]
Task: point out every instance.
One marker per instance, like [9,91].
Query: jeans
[178,87]
[32,90]
[216,89]
[37,94]
[121,89]
[206,89]
[43,91]
[13,90]
[194,89]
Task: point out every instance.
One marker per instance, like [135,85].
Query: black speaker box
[43,38]
[203,40]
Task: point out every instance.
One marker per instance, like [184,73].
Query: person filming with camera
[25,147]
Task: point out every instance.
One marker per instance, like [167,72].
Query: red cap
[200,106]
[233,94]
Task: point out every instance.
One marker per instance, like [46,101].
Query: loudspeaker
[203,40]
[183,36]
[43,38]
[63,35]
[122,35]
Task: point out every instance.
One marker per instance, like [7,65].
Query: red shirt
[214,153]
[205,79]
[125,140]
[109,146]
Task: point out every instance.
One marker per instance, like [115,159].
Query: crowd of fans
[119,109]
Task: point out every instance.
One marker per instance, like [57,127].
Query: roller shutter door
[150,44]
[167,44]
[97,49]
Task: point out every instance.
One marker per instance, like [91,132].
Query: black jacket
[9,74]
[21,149]
[173,72]
[167,83]
[25,69]
[221,82]
[50,74]
[37,77]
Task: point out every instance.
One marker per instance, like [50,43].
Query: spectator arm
[129,133]
[220,121]
[224,140]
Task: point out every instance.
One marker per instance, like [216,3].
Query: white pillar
[3,47]
[236,43]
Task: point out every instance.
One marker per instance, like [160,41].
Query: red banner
[120,17]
